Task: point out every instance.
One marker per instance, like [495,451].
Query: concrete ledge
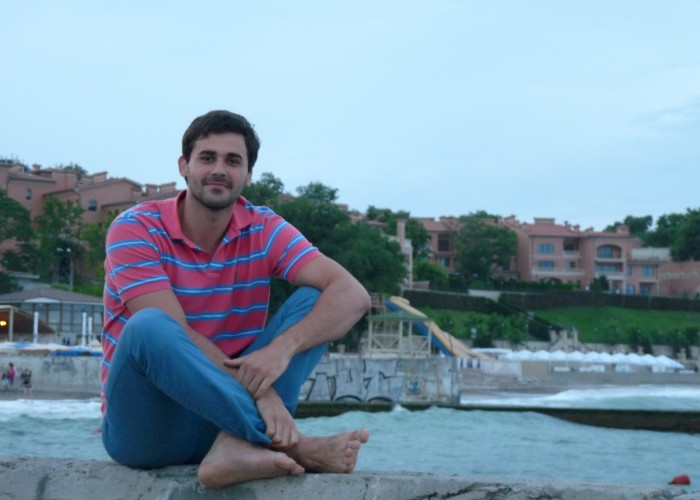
[66,479]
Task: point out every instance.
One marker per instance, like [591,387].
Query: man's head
[221,122]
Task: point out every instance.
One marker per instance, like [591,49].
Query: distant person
[193,372]
[26,379]
[8,376]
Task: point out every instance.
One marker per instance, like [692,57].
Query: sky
[585,111]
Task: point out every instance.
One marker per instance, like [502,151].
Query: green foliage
[264,192]
[686,245]
[318,192]
[424,270]
[481,247]
[8,284]
[15,220]
[666,230]
[374,260]
[638,226]
[59,227]
[611,325]
[415,231]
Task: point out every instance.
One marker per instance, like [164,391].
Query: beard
[217,198]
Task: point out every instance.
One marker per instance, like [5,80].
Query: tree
[265,191]
[481,247]
[638,226]
[15,224]
[318,192]
[374,260]
[665,233]
[415,231]
[15,220]
[58,229]
[424,270]
[686,245]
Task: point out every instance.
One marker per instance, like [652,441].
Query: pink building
[567,254]
[97,194]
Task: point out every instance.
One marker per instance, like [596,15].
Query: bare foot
[329,453]
[232,460]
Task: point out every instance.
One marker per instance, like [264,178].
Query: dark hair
[221,122]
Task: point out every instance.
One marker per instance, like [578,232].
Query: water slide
[446,343]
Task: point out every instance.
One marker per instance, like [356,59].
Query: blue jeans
[166,401]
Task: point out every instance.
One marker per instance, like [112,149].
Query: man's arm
[279,424]
[342,303]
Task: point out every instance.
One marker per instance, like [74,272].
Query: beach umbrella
[558,356]
[606,357]
[541,355]
[648,360]
[576,356]
[667,362]
[635,359]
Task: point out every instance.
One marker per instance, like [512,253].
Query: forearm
[341,304]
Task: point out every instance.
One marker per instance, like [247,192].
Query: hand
[281,428]
[258,370]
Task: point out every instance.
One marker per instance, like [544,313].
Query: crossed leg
[232,460]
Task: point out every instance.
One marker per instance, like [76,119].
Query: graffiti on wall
[362,380]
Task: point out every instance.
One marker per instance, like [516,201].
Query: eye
[234,161]
[206,157]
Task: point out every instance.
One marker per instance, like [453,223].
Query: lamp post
[71,268]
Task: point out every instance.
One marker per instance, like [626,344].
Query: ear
[182,164]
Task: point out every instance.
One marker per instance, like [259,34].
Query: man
[192,373]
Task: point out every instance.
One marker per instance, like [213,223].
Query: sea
[475,444]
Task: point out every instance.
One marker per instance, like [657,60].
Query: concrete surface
[67,479]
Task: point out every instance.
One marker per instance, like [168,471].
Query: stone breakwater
[65,479]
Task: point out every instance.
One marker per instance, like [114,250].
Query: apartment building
[567,254]
[97,194]
[442,239]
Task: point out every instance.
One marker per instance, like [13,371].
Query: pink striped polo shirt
[225,297]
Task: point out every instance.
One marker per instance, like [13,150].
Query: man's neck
[203,226]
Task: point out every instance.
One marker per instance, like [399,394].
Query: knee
[152,324]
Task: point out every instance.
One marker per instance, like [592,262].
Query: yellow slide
[448,343]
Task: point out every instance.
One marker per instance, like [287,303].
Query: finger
[233,363]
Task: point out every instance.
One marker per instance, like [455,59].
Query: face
[217,171]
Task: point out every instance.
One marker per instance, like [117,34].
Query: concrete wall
[79,374]
[65,479]
[365,379]
[334,379]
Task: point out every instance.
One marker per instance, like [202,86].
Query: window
[571,264]
[569,247]
[445,261]
[545,248]
[648,271]
[609,268]
[609,252]
[92,205]
[443,243]
[644,290]
[605,252]
[545,264]
[28,194]
[629,289]
[630,270]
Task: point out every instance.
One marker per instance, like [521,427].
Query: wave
[59,409]
[643,397]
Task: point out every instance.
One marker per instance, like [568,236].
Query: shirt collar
[242,218]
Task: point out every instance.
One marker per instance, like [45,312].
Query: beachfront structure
[59,316]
